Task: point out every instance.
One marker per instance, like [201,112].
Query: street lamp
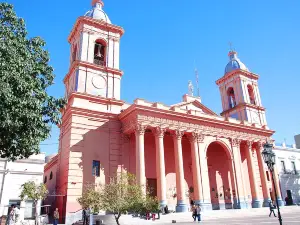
[269,158]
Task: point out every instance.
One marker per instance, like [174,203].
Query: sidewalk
[208,215]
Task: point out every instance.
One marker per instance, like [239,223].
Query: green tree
[27,111]
[120,196]
[32,191]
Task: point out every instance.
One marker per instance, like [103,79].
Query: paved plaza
[290,215]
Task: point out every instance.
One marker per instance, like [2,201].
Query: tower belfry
[240,93]
[95,50]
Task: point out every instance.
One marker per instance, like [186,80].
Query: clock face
[99,84]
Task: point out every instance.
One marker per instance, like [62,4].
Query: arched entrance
[220,176]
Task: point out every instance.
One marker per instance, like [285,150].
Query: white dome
[97,12]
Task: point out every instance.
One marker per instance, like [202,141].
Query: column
[236,204]
[252,176]
[206,199]
[160,166]
[181,204]
[196,169]
[263,177]
[140,156]
[237,164]
[277,186]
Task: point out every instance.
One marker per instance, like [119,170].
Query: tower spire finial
[94,2]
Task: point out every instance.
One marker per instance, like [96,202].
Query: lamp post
[269,158]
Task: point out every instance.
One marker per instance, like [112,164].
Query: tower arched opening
[100,50]
[231,97]
[251,94]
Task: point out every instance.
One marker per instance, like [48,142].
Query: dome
[234,63]
[97,12]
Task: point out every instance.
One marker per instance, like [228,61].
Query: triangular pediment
[195,106]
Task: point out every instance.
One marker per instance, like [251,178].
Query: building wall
[14,174]
[288,179]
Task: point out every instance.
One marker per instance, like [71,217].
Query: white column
[237,164]
[140,156]
[252,176]
[263,177]
[160,166]
[181,204]
[196,169]
[206,201]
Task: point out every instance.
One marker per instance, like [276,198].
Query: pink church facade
[183,152]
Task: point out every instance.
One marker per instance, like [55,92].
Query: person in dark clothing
[272,208]
[85,216]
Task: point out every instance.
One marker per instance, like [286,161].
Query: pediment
[195,106]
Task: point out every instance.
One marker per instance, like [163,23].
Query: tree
[120,196]
[32,191]
[27,111]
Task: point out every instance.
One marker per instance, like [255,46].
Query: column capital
[200,138]
[260,145]
[159,132]
[249,144]
[235,142]
[193,137]
[140,129]
[177,134]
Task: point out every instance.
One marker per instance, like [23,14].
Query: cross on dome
[100,2]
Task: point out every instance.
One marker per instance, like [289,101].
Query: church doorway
[220,176]
[152,186]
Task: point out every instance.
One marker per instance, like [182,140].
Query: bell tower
[95,50]
[240,93]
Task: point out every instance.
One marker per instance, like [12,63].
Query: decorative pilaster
[277,186]
[181,204]
[263,177]
[196,168]
[160,165]
[252,176]
[140,155]
[206,199]
[240,182]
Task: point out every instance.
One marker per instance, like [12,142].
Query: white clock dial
[98,82]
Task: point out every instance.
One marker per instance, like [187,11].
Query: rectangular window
[29,210]
[283,166]
[96,168]
[294,167]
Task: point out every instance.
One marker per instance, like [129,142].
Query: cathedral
[183,151]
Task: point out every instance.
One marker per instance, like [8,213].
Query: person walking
[56,217]
[272,208]
[198,210]
[194,212]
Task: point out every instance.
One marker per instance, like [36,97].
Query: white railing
[73,217]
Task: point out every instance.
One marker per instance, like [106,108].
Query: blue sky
[164,38]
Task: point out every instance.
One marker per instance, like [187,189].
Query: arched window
[231,98]
[74,53]
[100,53]
[251,94]
[51,175]
[45,179]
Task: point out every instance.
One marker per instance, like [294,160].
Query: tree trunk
[36,213]
[117,218]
